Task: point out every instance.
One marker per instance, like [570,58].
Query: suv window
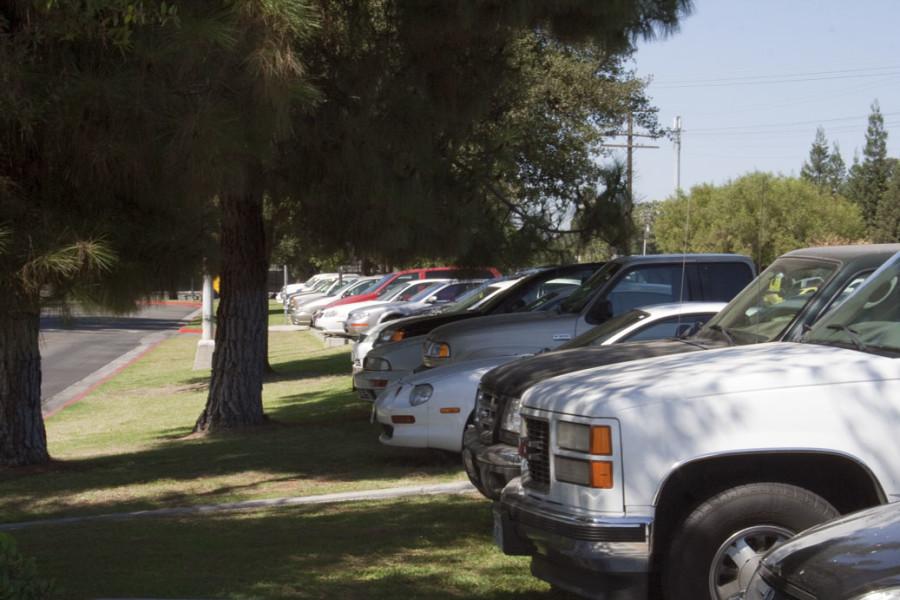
[722,281]
[669,328]
[642,285]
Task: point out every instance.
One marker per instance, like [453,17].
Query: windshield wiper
[724,332]
[851,333]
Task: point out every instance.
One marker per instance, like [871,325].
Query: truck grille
[537,453]
[486,416]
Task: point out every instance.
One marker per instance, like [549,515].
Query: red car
[401,277]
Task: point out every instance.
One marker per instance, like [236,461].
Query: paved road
[72,351]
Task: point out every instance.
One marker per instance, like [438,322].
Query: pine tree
[836,170]
[817,169]
[887,228]
[868,180]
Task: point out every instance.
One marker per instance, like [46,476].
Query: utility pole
[676,137]
[630,146]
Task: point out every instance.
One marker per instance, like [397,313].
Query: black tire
[757,514]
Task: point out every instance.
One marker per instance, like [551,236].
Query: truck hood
[422,325]
[467,369]
[505,335]
[491,324]
[603,391]
[512,379]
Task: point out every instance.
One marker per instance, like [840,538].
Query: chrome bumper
[606,558]
[489,468]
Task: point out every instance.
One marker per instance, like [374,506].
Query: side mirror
[601,311]
[431,300]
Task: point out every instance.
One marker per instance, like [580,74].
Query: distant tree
[867,180]
[836,170]
[816,169]
[760,215]
[887,219]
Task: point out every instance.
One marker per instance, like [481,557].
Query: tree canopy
[759,215]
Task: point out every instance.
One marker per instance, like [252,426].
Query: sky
[752,79]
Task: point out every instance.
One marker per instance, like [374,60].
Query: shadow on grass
[316,440]
[424,548]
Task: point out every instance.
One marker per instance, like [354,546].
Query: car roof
[847,253]
[681,308]
[693,257]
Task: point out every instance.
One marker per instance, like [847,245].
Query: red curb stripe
[190,330]
[83,394]
[196,303]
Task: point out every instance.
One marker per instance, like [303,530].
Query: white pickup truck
[674,475]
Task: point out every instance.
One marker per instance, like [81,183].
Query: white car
[302,310]
[333,319]
[472,300]
[431,409]
[693,466]
[361,320]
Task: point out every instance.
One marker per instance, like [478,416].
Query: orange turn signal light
[403,419]
[450,410]
[601,474]
[601,440]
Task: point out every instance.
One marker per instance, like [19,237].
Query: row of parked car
[639,436]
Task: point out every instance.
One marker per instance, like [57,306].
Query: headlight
[584,438]
[512,418]
[420,394]
[358,315]
[374,363]
[439,350]
[392,336]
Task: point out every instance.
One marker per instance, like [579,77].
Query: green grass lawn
[436,548]
[276,314]
[128,446]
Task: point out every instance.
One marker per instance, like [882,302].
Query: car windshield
[601,333]
[765,308]
[403,291]
[472,297]
[360,287]
[552,292]
[869,320]
[351,288]
[581,296]
[423,294]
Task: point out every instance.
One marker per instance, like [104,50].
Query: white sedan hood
[603,391]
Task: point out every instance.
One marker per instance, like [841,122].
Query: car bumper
[407,435]
[605,558]
[489,468]
[369,384]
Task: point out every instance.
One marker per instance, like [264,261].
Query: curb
[457,487]
[78,390]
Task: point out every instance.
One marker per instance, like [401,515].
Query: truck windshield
[869,320]
[578,299]
[765,308]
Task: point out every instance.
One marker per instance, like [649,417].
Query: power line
[793,123]
[778,78]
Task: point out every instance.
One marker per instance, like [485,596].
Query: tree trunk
[235,390]
[23,440]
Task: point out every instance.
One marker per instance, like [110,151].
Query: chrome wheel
[736,559]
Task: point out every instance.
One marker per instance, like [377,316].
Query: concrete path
[456,487]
